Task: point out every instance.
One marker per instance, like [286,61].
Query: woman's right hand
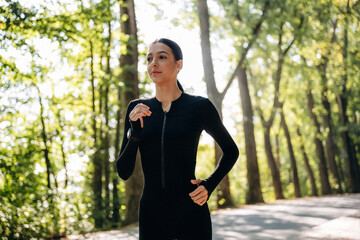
[139,111]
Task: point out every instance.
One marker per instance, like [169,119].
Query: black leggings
[179,219]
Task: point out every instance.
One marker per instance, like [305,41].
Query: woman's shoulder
[200,103]
[195,99]
[134,102]
[202,107]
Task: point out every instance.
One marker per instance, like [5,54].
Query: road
[332,217]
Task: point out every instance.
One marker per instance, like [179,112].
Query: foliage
[46,129]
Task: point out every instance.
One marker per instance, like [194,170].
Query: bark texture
[324,177]
[129,76]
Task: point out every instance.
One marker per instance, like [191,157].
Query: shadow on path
[286,219]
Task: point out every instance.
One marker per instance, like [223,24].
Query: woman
[166,130]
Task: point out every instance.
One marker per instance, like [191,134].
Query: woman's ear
[179,65]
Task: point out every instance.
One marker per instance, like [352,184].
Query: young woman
[166,130]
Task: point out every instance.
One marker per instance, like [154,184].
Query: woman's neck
[167,93]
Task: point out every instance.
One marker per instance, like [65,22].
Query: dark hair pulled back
[175,48]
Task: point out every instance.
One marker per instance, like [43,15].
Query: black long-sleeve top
[168,145]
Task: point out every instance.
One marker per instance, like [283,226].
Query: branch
[333,38]
[237,14]
[257,107]
[295,37]
[287,49]
[256,31]
[325,58]
[279,70]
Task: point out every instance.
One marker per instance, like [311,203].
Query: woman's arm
[125,163]
[214,126]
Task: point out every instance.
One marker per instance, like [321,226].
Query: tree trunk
[324,178]
[62,141]
[97,161]
[307,165]
[277,151]
[116,199]
[352,165]
[275,173]
[129,75]
[223,189]
[341,165]
[294,177]
[326,116]
[267,124]
[330,145]
[106,137]
[59,129]
[63,155]
[253,193]
[213,93]
[46,151]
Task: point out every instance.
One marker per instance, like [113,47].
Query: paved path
[334,217]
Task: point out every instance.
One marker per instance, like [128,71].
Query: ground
[331,217]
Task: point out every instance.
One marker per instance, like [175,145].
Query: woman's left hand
[200,194]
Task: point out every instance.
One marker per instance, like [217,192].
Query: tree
[253,194]
[254,190]
[324,177]
[294,171]
[129,76]
[267,123]
[353,170]
[307,164]
[223,189]
[326,116]
[44,136]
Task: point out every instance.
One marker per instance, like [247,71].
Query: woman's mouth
[155,72]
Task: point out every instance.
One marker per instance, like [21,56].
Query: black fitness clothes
[168,145]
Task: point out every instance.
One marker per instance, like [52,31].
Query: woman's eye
[148,59]
[162,57]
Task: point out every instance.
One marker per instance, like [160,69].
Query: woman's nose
[154,62]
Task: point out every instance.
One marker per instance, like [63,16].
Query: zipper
[163,152]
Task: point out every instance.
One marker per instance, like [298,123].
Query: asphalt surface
[332,217]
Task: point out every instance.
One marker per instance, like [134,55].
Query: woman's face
[161,64]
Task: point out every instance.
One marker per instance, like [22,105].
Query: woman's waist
[173,189]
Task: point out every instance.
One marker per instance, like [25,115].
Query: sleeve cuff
[136,129]
[208,188]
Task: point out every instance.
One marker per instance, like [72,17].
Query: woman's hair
[173,45]
[176,51]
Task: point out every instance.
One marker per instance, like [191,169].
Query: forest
[283,74]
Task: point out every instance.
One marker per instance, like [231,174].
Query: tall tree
[314,191]
[129,76]
[254,189]
[326,116]
[267,123]
[315,15]
[294,171]
[253,193]
[223,189]
[352,165]
[44,136]
[324,177]
[106,136]
[116,199]
[97,161]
